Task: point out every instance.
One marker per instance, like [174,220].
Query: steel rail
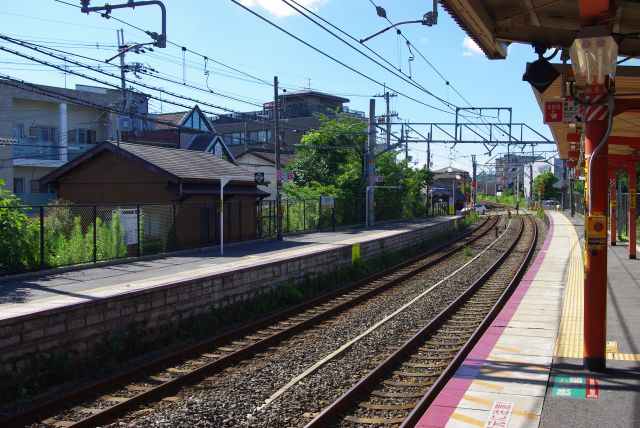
[424,403]
[346,400]
[109,413]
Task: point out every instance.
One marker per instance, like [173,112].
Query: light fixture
[594,55]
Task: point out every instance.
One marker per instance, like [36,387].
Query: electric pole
[276,119]
[387,118]
[473,183]
[371,167]
[429,151]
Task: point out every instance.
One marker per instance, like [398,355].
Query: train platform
[527,369]
[41,291]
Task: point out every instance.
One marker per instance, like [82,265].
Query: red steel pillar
[613,205]
[595,277]
[632,211]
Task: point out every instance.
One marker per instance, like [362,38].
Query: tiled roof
[174,118]
[176,164]
[186,164]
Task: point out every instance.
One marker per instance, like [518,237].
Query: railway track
[105,400]
[400,388]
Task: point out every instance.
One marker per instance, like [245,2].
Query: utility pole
[123,70]
[404,136]
[371,167]
[474,183]
[386,95]
[276,118]
[429,151]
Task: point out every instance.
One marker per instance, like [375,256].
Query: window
[44,133]
[196,121]
[81,136]
[17,130]
[18,185]
[259,136]
[35,186]
[232,138]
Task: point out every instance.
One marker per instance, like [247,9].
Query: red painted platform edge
[447,401]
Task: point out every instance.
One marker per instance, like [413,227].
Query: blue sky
[224,32]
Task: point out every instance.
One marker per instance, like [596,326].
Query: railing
[31,148]
[61,235]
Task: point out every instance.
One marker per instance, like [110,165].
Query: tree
[329,160]
[543,185]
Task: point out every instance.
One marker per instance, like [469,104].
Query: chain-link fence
[39,237]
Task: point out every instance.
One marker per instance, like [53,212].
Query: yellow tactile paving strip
[571,335]
[570,339]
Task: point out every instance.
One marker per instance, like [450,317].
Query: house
[256,159]
[184,182]
[298,113]
[49,126]
[189,130]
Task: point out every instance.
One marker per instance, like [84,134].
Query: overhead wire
[323,53]
[398,73]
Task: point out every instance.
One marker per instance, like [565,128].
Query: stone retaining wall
[82,330]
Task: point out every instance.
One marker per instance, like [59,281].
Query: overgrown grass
[467,252]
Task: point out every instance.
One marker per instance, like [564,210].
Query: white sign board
[327,201]
[571,111]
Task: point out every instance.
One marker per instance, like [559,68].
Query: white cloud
[470,47]
[279,8]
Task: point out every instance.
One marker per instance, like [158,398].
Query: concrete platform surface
[41,291]
[527,369]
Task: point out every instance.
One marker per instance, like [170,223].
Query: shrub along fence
[61,235]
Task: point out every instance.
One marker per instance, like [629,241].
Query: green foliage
[330,163]
[540,213]
[543,185]
[19,235]
[467,252]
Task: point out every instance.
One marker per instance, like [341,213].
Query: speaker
[540,74]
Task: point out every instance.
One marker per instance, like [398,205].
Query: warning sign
[552,111]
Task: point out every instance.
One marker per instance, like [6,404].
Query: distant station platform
[527,370]
[37,292]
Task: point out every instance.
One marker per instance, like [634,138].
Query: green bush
[19,235]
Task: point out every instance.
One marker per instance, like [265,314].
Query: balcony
[35,152]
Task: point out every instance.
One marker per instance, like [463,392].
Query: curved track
[400,388]
[158,379]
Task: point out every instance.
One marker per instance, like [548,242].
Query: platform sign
[553,111]
[576,387]
[452,207]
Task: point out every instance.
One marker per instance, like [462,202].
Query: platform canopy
[494,24]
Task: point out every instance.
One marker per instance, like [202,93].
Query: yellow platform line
[569,343]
